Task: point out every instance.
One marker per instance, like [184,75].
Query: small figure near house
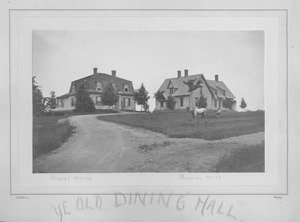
[217,113]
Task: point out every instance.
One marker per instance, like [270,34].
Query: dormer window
[98,86]
[171,90]
[126,88]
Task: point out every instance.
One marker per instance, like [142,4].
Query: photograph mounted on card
[158,101]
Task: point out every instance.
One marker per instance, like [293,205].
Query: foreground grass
[181,124]
[48,134]
[246,159]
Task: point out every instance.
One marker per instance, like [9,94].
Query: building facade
[214,92]
[95,85]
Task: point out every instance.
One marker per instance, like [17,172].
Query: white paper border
[22,22]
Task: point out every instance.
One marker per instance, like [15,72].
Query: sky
[149,57]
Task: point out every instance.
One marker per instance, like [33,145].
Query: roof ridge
[101,74]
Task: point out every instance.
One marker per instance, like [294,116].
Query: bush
[202,102]
[171,102]
[54,113]
[227,103]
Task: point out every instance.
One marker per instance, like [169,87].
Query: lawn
[49,134]
[246,159]
[181,124]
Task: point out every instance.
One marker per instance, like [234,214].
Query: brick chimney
[217,78]
[113,73]
[95,70]
[186,73]
[178,74]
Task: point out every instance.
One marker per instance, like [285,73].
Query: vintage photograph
[154,101]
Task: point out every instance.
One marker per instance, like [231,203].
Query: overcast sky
[150,57]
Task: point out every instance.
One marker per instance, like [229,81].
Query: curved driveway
[102,147]
[96,146]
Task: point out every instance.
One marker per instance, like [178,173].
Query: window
[171,90]
[62,103]
[98,86]
[162,104]
[114,85]
[127,102]
[126,88]
[98,100]
[73,101]
[216,103]
[181,101]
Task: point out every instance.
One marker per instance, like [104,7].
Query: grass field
[48,134]
[181,124]
[246,159]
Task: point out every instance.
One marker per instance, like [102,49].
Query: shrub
[243,104]
[54,113]
[202,102]
[227,103]
[171,102]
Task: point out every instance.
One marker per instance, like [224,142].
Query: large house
[95,85]
[214,91]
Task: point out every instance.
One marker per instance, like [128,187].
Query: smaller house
[95,85]
[214,92]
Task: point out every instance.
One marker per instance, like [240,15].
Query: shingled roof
[104,79]
[217,88]
[221,88]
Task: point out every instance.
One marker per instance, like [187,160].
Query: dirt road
[100,147]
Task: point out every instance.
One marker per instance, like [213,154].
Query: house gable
[213,90]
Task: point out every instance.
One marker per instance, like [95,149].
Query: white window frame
[126,88]
[97,86]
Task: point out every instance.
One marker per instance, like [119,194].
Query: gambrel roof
[104,79]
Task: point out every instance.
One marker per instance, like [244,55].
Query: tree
[171,102]
[159,96]
[202,102]
[84,102]
[243,103]
[52,102]
[193,85]
[38,106]
[146,107]
[141,96]
[227,103]
[109,96]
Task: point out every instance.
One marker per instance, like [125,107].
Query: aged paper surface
[115,197]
